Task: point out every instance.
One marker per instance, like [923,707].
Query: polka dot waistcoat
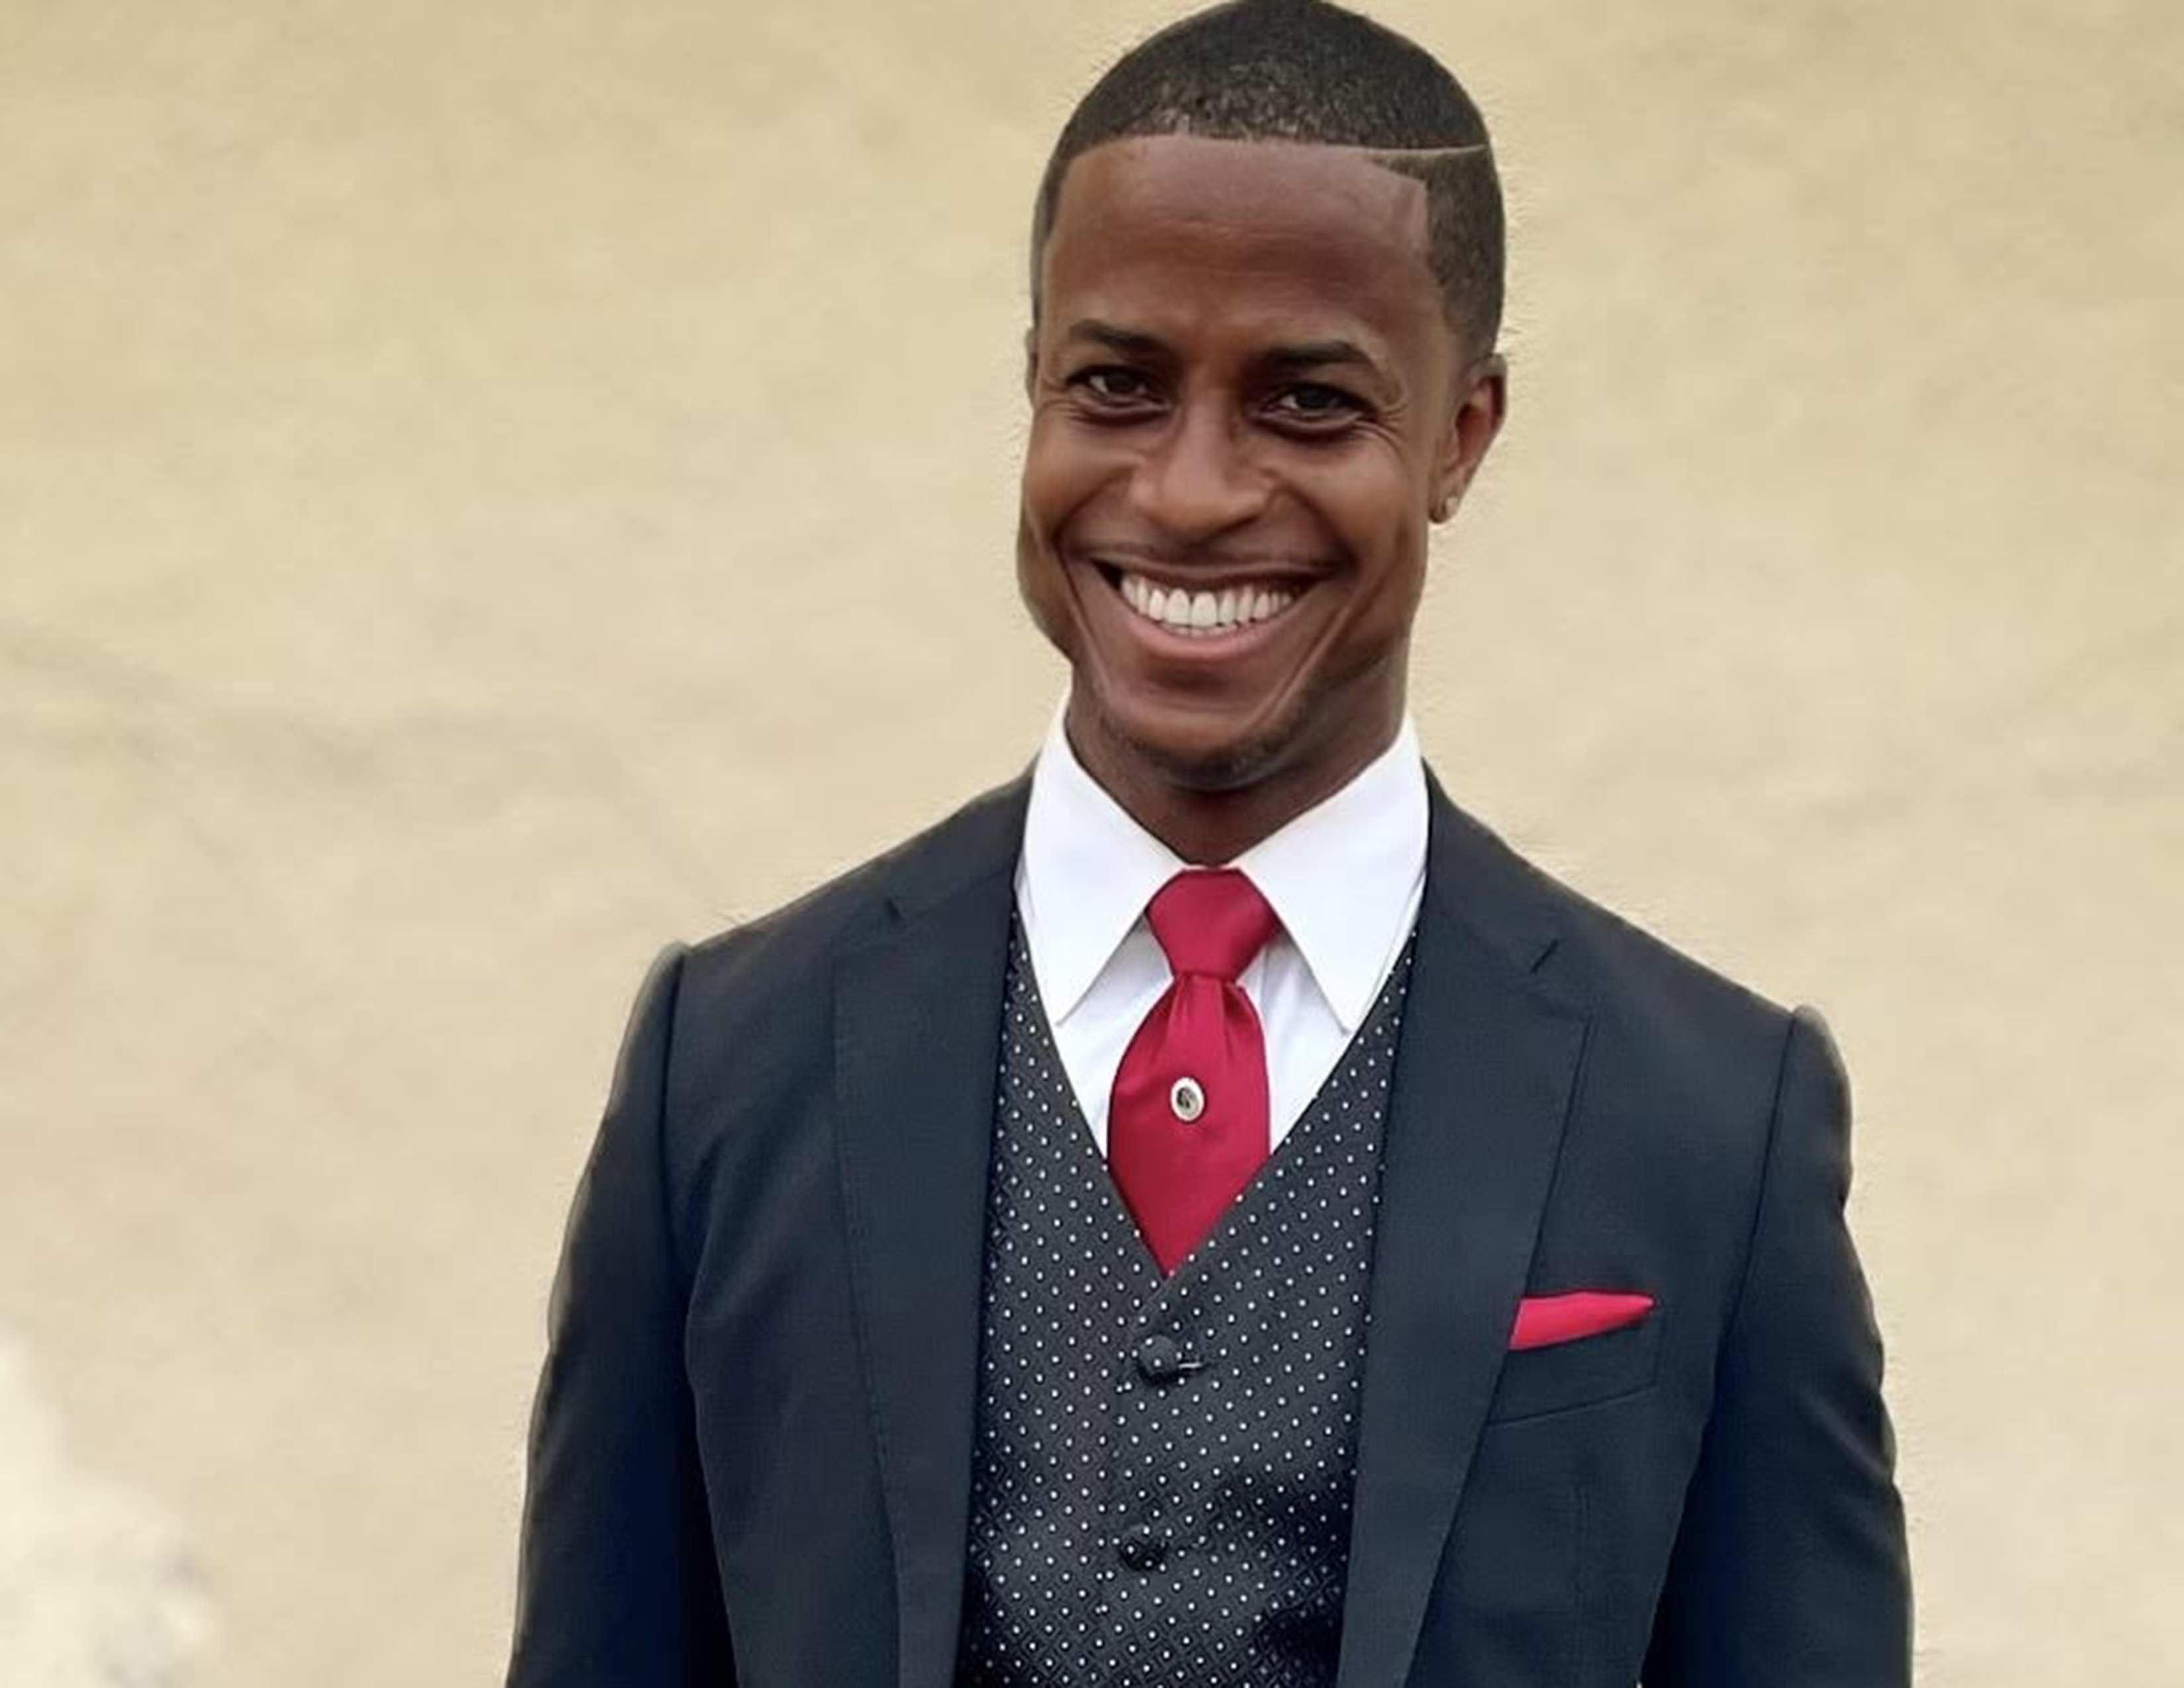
[1161,1485]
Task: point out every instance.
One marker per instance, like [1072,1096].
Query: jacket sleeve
[615,1580]
[1790,1565]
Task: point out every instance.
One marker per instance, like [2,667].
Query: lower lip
[1207,647]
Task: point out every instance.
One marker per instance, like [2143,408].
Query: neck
[1211,826]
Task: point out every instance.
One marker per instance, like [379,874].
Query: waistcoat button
[1159,1360]
[1142,1548]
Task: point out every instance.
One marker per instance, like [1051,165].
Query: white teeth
[1202,613]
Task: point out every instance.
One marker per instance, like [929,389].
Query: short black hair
[1306,70]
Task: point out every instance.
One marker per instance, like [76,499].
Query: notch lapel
[1485,1067]
[916,1051]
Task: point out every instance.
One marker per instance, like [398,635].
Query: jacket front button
[1142,1548]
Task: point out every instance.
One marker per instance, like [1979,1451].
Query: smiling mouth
[1202,613]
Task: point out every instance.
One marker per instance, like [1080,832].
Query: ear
[1479,404]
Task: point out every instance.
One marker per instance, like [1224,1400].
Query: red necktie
[1187,1120]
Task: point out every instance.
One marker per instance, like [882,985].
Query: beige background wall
[486,488]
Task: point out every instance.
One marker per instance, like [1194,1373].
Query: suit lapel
[916,1051]
[1487,1057]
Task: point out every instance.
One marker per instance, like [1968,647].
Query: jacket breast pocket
[1583,1372]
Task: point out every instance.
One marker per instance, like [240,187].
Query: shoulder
[764,970]
[1662,1021]
[1632,975]
[731,1043]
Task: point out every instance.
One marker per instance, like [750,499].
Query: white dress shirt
[1344,877]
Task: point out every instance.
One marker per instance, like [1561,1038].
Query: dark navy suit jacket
[749,1457]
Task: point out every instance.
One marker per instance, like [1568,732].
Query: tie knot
[1210,921]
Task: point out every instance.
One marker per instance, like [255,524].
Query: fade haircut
[1306,70]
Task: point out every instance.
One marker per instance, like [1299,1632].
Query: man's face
[1247,404]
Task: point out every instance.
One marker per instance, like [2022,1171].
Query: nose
[1196,480]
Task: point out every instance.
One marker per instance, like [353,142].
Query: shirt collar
[1341,876]
[1087,871]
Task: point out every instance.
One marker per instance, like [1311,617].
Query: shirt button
[1186,1098]
[1142,1548]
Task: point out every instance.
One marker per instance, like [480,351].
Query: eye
[1314,404]
[1114,385]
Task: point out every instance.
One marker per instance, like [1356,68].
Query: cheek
[1053,477]
[1055,483]
[1379,514]
[1063,472]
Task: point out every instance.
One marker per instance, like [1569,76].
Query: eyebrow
[1114,339]
[1302,355]
[1319,354]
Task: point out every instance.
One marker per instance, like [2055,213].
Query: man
[1206,1212]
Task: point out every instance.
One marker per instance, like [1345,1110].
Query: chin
[1194,751]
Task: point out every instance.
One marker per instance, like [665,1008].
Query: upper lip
[1206,578]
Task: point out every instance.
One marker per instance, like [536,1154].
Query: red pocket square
[1545,1319]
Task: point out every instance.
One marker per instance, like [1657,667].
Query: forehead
[1215,232]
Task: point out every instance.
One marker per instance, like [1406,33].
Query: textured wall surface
[485,489]
[98,1589]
